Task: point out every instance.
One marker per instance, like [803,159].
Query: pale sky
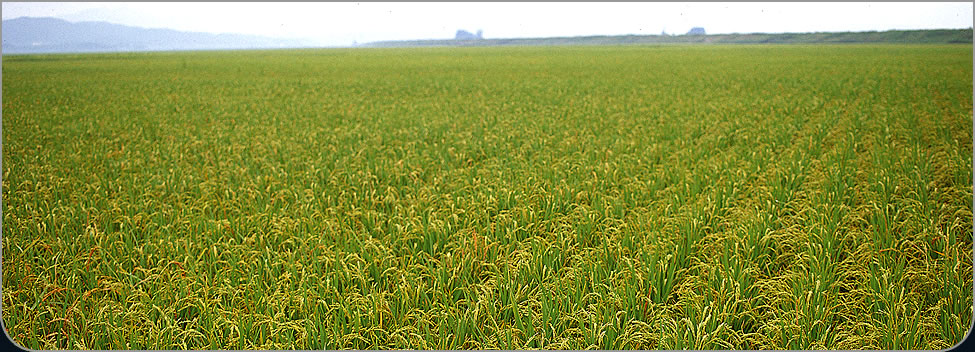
[343,23]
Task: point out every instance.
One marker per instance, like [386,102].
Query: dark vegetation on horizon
[28,35]
[935,36]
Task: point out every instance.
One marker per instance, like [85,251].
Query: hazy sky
[343,23]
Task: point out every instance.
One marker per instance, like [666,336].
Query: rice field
[621,197]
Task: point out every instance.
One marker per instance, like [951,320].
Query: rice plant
[625,197]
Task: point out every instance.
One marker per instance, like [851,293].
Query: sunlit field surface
[704,197]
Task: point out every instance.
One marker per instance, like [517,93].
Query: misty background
[243,25]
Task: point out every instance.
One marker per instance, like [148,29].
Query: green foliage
[924,36]
[719,197]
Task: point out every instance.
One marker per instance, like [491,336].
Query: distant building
[696,31]
[465,35]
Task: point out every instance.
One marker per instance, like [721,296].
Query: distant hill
[934,36]
[52,35]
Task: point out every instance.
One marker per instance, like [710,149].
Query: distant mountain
[52,35]
[929,36]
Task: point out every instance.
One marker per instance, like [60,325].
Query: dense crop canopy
[703,197]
